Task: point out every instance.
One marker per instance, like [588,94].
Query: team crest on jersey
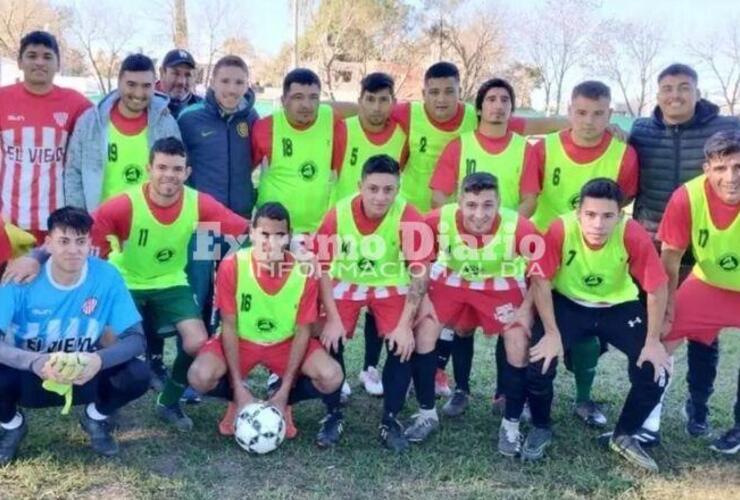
[132,174]
[164,255]
[573,202]
[593,280]
[729,262]
[242,129]
[61,118]
[88,307]
[308,170]
[505,313]
[266,325]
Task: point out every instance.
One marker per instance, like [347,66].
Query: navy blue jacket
[220,152]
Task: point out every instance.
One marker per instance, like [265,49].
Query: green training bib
[127,159]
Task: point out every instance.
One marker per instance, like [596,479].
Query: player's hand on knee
[21,270]
[333,334]
[654,353]
[401,342]
[549,347]
[92,363]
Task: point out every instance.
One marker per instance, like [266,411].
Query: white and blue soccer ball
[260,428]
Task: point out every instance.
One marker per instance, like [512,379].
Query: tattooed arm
[401,339]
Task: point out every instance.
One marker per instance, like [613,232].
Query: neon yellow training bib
[359,149]
[426,143]
[507,165]
[597,276]
[127,159]
[299,174]
[262,317]
[155,255]
[564,178]
[374,259]
[717,251]
[495,259]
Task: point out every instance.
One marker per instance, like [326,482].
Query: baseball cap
[178,56]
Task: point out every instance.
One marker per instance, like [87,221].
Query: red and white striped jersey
[34,130]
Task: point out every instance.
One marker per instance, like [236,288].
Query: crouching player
[478,281]
[76,304]
[703,214]
[268,302]
[586,289]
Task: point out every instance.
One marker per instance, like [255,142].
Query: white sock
[511,427]
[429,413]
[93,413]
[652,423]
[14,423]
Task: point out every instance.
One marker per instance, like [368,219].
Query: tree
[720,53]
[626,53]
[18,17]
[524,79]
[180,24]
[555,40]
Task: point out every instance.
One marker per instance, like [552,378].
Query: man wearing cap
[177,80]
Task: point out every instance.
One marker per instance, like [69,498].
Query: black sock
[540,392]
[500,365]
[443,350]
[423,369]
[702,360]
[515,387]
[396,378]
[462,361]
[303,390]
[154,347]
[373,342]
[339,356]
[737,402]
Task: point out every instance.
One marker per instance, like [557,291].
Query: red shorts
[274,357]
[702,310]
[387,313]
[465,309]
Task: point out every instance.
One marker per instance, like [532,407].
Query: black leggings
[110,389]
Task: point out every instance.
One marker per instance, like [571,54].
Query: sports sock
[396,378]
[373,342]
[444,347]
[515,386]
[339,356]
[154,346]
[462,361]
[652,423]
[500,364]
[92,411]
[432,413]
[14,422]
[584,357]
[178,381]
[423,368]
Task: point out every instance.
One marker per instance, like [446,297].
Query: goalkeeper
[70,336]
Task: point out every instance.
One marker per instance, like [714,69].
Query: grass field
[458,462]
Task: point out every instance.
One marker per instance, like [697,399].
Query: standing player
[295,145]
[36,121]
[76,304]
[586,289]
[704,214]
[493,148]
[371,132]
[478,281]
[565,162]
[177,79]
[267,305]
[146,230]
[373,244]
[110,145]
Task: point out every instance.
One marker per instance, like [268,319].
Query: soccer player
[493,147]
[478,281]
[77,304]
[373,246]
[703,214]
[109,148]
[371,132]
[585,288]
[294,146]
[565,162]
[177,79]
[145,233]
[267,303]
[37,119]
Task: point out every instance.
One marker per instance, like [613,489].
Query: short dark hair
[171,146]
[381,164]
[494,83]
[601,188]
[677,69]
[70,217]
[722,144]
[479,181]
[375,82]
[39,38]
[442,69]
[592,89]
[272,210]
[301,76]
[231,61]
[137,62]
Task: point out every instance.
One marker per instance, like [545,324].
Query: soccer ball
[260,428]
